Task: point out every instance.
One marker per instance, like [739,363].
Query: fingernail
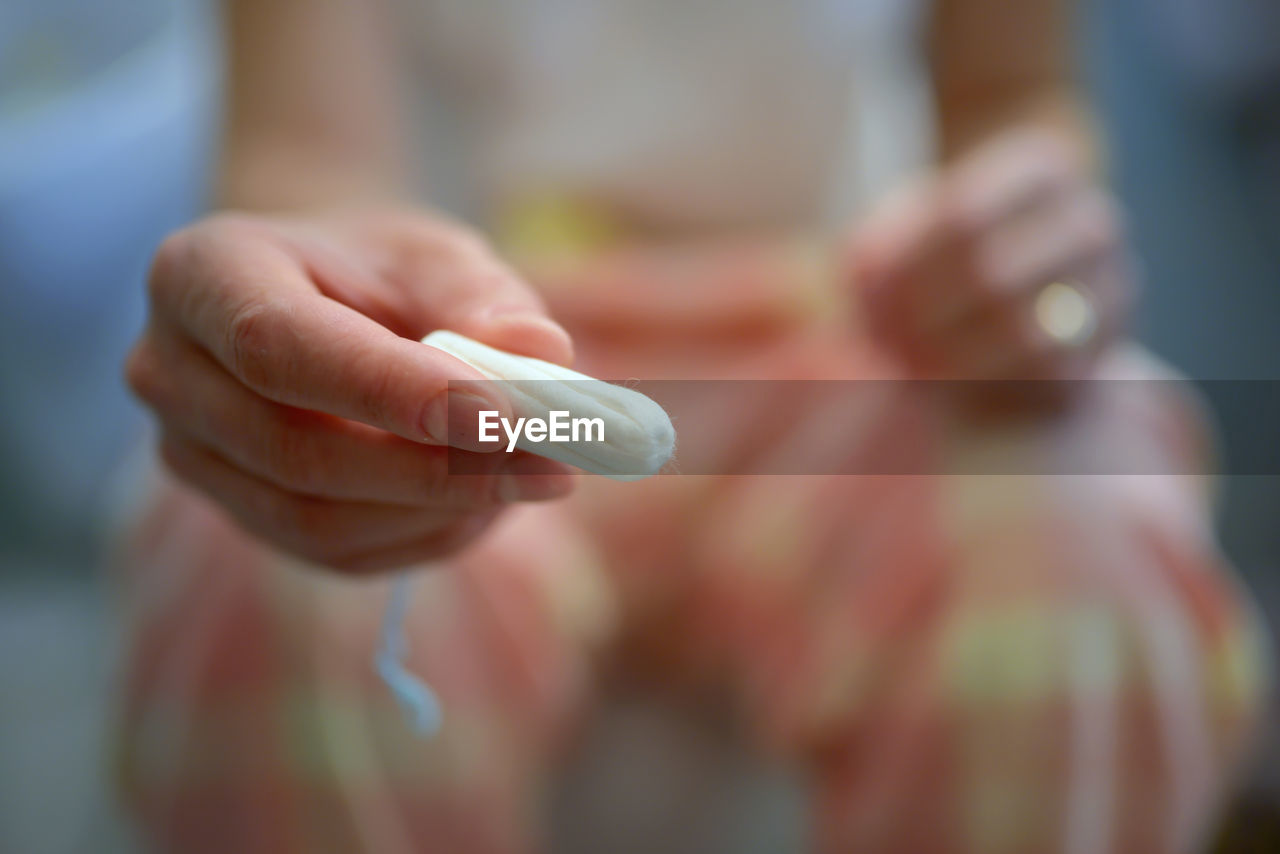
[453,418]
[531,478]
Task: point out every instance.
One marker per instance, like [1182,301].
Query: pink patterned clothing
[955,664]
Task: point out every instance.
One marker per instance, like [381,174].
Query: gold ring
[1064,313]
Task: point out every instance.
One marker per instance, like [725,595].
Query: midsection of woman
[674,177]
[676,118]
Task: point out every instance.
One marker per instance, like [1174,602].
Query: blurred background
[109,114]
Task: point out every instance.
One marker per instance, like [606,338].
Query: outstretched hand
[282,360]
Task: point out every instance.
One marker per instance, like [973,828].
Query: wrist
[280,178]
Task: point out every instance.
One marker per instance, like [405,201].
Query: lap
[948,658]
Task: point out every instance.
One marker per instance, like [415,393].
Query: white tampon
[638,440]
[638,437]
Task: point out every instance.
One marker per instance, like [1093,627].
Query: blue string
[420,705]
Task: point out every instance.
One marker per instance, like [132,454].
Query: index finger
[251,305]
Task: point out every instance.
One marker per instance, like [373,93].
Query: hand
[954,271]
[282,360]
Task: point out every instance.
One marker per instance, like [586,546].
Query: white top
[698,112]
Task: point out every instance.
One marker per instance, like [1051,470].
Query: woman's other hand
[282,360]
[1010,265]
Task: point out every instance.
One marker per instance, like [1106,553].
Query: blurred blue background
[1189,95]
[108,117]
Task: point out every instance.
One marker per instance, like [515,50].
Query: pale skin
[281,355]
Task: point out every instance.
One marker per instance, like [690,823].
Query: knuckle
[380,392]
[467,490]
[441,486]
[289,456]
[142,373]
[461,480]
[170,261]
[250,334]
[173,458]
[311,525]
[174,256]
